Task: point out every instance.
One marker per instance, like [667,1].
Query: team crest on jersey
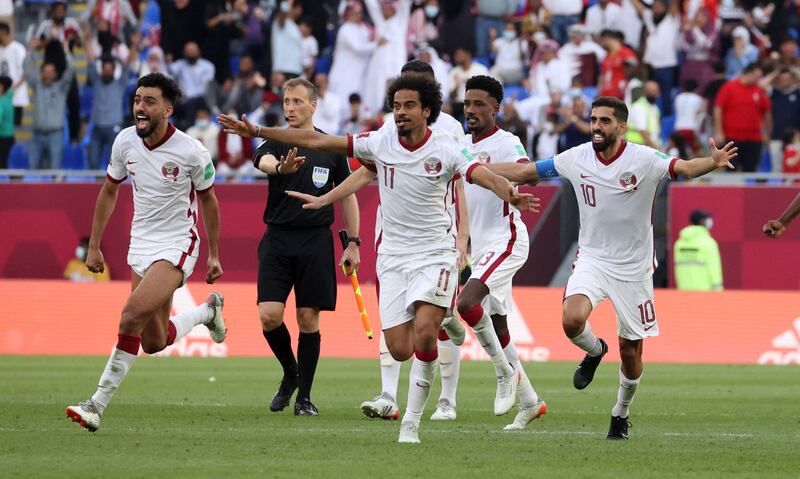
[433,166]
[628,180]
[320,176]
[483,157]
[170,171]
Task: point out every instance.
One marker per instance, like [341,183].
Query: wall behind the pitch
[43,223]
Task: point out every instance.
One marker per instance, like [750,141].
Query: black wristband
[354,239]
[278,169]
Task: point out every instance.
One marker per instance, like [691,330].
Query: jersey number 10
[588,195]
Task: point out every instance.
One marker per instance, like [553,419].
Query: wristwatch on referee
[354,239]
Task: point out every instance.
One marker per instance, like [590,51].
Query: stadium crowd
[687,69]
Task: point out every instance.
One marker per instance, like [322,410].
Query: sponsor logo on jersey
[320,176]
[433,166]
[785,347]
[628,180]
[170,171]
[483,157]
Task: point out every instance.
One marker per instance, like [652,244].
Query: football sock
[423,369]
[118,365]
[627,389]
[187,320]
[390,370]
[307,358]
[587,341]
[484,330]
[449,367]
[527,395]
[280,342]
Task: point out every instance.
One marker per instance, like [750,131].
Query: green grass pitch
[170,420]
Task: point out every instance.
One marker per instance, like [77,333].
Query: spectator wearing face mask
[511,53]
[192,74]
[698,266]
[205,131]
[644,122]
[422,25]
[76,269]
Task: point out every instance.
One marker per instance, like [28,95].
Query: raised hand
[94,260]
[722,157]
[523,201]
[291,163]
[311,202]
[214,270]
[233,126]
[774,228]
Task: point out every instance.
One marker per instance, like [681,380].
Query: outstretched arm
[289,136]
[209,208]
[701,166]
[462,237]
[357,180]
[525,172]
[504,190]
[775,228]
[106,201]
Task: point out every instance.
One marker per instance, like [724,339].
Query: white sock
[187,320]
[588,341]
[116,368]
[390,370]
[484,331]
[527,395]
[449,367]
[419,388]
[627,389]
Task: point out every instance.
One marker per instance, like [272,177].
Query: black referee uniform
[296,251]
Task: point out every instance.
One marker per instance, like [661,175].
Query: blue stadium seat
[324,64]
[517,92]
[86,94]
[234,65]
[667,127]
[18,157]
[75,157]
[485,61]
[590,92]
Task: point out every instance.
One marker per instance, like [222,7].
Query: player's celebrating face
[416,101]
[153,105]
[409,114]
[482,103]
[608,127]
[299,104]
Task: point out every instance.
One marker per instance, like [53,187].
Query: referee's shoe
[282,398]
[304,407]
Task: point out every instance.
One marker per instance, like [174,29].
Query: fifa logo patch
[320,176]
[170,171]
[628,181]
[433,166]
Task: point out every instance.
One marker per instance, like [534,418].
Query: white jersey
[616,199]
[165,178]
[493,221]
[415,185]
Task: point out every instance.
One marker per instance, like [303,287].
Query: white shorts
[496,269]
[632,300]
[431,277]
[140,263]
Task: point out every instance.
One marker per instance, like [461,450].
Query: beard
[145,132]
[608,140]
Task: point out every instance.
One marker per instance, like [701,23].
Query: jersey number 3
[588,195]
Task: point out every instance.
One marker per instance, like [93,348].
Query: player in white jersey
[615,183]
[169,172]
[384,405]
[416,262]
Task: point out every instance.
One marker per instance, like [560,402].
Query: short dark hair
[107,58]
[487,84]
[752,67]
[613,34]
[4,27]
[619,107]
[430,92]
[354,98]
[417,66]
[310,87]
[6,82]
[690,84]
[169,89]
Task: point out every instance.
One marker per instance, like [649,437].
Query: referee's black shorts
[299,258]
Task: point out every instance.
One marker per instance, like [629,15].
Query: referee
[297,247]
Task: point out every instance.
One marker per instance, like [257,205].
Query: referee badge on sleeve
[320,176]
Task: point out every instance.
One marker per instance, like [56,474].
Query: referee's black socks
[307,358]
[280,341]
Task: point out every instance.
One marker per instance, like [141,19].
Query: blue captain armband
[546,168]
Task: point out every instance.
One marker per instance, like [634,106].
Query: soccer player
[169,172]
[384,405]
[417,257]
[775,228]
[615,183]
[499,241]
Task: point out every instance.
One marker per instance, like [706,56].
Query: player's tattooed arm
[357,180]
[775,228]
[720,157]
[290,136]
